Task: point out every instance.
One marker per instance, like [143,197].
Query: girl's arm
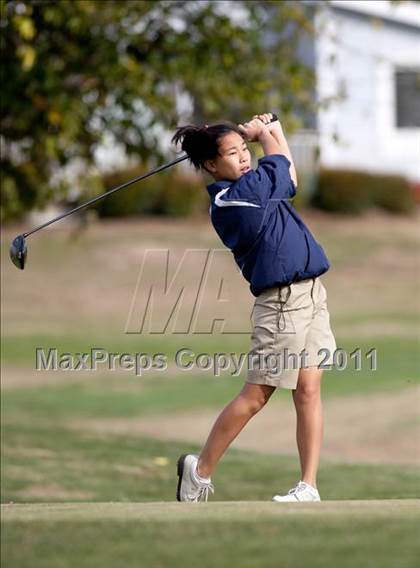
[276,131]
[259,130]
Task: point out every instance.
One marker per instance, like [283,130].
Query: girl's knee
[308,388]
[255,405]
[256,396]
[307,393]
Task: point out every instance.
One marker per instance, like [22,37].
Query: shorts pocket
[269,320]
[265,316]
[321,297]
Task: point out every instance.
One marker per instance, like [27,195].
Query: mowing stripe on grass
[229,510]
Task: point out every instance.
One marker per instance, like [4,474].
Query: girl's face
[233,160]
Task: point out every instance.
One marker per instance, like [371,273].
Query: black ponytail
[201,143]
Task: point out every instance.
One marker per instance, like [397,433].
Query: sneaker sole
[180,471]
[297,501]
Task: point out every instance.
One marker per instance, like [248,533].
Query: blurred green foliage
[170,193]
[352,192]
[73,71]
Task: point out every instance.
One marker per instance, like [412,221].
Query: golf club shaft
[110,192]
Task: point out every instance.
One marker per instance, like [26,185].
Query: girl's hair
[200,143]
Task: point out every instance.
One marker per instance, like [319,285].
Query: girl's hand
[252,130]
[266,118]
[272,126]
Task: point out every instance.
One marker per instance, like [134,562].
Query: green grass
[400,317]
[20,349]
[123,394]
[47,456]
[250,535]
[50,462]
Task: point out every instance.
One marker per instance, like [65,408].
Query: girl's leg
[309,428]
[230,422]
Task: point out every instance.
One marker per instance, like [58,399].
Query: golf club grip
[274,118]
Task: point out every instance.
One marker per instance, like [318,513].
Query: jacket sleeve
[273,173]
[270,181]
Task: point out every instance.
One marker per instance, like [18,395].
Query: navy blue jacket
[253,217]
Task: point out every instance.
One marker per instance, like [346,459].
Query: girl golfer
[279,257]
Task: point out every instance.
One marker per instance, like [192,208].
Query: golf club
[19,249]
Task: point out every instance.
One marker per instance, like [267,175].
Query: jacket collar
[216,186]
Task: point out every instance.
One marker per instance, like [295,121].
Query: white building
[366,58]
[367,63]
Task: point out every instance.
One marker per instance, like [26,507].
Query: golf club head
[18,251]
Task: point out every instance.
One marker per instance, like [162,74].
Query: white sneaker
[301,492]
[191,487]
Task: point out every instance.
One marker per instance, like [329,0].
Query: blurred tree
[74,70]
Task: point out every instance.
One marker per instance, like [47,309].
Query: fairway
[227,510]
[89,459]
[248,534]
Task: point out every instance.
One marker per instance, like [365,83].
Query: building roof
[406,13]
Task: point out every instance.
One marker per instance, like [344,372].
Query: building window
[407,96]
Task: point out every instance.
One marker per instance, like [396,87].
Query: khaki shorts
[291,330]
